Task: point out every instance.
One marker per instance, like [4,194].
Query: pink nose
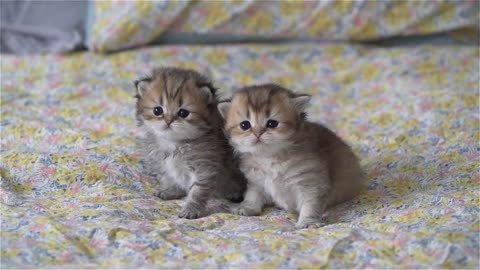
[168,120]
[258,134]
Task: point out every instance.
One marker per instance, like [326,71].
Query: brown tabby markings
[182,93]
[271,104]
[300,166]
[189,153]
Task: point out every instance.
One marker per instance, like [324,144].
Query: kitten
[184,143]
[300,166]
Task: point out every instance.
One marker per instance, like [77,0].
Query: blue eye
[157,111]
[272,124]
[245,125]
[183,113]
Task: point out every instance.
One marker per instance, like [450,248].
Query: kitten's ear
[142,86]
[301,102]
[223,107]
[209,92]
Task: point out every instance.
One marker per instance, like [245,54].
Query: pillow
[115,25]
[124,24]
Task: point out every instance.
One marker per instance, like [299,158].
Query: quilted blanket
[75,193]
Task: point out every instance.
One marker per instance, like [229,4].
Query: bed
[76,194]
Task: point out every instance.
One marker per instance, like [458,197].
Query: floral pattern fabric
[124,24]
[75,193]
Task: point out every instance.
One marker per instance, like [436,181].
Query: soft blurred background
[105,26]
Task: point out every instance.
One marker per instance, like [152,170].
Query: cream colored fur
[300,166]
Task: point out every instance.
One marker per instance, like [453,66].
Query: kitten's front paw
[192,212]
[245,211]
[170,194]
[311,223]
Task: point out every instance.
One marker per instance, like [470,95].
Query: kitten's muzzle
[168,120]
[258,133]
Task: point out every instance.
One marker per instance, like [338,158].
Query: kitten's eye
[272,124]
[183,113]
[245,125]
[157,111]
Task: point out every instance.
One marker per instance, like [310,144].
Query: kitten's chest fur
[176,167]
[170,160]
[271,174]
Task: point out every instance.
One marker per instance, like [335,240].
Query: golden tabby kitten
[300,166]
[183,142]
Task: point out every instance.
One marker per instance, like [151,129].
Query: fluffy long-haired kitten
[184,143]
[297,165]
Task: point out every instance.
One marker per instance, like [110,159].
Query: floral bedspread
[75,193]
[115,25]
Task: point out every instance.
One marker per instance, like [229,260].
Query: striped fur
[190,155]
[300,166]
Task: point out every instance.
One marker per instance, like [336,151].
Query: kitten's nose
[258,132]
[168,120]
